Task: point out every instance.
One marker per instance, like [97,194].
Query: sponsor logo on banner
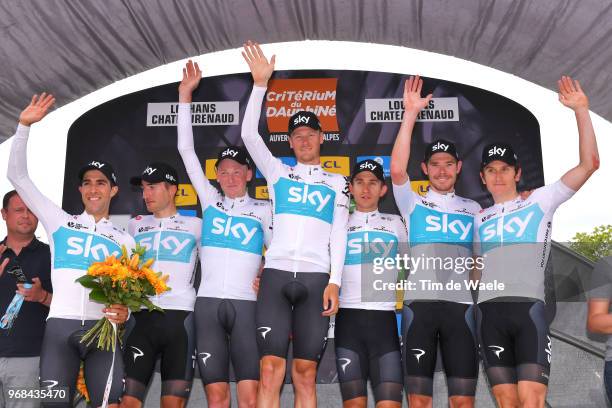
[392,110]
[420,186]
[336,164]
[172,246]
[288,160]
[384,161]
[261,192]
[202,113]
[185,196]
[210,170]
[288,96]
[224,231]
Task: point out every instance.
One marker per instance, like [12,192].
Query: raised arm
[572,96]
[413,104]
[261,70]
[191,79]
[46,210]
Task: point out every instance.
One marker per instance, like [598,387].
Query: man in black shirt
[24,262]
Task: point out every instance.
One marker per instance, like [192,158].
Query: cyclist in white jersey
[301,279]
[366,337]
[171,239]
[235,229]
[440,227]
[513,236]
[76,241]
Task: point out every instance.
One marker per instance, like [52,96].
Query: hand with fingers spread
[413,102]
[191,79]
[37,109]
[571,94]
[260,68]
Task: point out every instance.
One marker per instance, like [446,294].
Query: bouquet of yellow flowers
[128,281]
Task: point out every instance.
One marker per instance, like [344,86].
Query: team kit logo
[225,231]
[77,250]
[171,246]
[310,200]
[519,227]
[429,226]
[364,246]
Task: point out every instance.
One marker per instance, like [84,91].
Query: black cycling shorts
[368,347]
[450,325]
[290,304]
[169,335]
[60,359]
[515,340]
[226,332]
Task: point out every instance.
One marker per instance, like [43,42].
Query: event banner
[360,113]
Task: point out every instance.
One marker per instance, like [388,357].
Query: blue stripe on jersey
[513,228]
[174,246]
[429,226]
[309,200]
[224,231]
[78,250]
[364,246]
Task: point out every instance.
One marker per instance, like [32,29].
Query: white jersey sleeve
[46,210]
[404,198]
[551,196]
[206,191]
[337,238]
[268,165]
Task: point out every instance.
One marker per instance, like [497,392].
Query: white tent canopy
[74,48]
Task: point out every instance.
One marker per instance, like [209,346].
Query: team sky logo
[309,200]
[229,152]
[171,246]
[301,120]
[384,161]
[224,231]
[438,147]
[497,151]
[368,166]
[518,227]
[77,250]
[365,246]
[428,226]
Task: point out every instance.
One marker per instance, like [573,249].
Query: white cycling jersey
[371,235]
[234,231]
[173,243]
[76,241]
[440,231]
[310,206]
[514,239]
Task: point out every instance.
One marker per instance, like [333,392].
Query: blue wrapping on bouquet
[6,322]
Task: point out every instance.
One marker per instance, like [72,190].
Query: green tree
[594,245]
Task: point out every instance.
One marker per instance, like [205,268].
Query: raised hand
[260,68]
[37,109]
[571,94]
[413,101]
[191,79]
